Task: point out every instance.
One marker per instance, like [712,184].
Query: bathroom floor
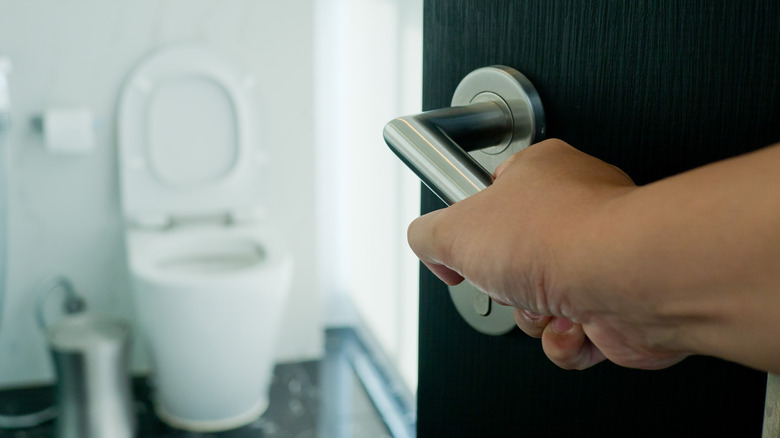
[301,406]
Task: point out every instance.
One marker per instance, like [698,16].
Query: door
[654,87]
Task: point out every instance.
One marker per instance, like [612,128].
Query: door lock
[495,112]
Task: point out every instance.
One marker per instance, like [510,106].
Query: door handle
[435,146]
[495,112]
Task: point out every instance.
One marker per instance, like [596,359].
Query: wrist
[614,274]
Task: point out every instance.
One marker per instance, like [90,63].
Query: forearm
[697,257]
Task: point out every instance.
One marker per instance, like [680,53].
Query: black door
[655,87]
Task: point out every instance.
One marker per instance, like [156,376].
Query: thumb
[431,243]
[566,345]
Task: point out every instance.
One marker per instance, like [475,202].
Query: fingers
[509,161]
[564,342]
[444,273]
[531,323]
[426,239]
[566,345]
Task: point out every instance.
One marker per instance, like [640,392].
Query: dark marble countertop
[294,411]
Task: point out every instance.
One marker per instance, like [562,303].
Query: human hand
[528,241]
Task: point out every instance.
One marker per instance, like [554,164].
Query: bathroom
[310,66]
[203,233]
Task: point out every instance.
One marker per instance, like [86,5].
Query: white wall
[369,71]
[64,211]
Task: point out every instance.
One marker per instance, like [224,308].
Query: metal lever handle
[434,145]
[495,112]
[492,107]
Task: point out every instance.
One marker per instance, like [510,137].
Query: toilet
[209,277]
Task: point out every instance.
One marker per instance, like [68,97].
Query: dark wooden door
[655,87]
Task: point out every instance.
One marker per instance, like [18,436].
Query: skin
[599,268]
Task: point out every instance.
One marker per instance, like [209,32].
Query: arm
[598,267]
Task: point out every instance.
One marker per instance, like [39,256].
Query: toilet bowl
[209,302]
[209,275]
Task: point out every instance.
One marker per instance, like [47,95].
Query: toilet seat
[174,99]
[188,140]
[206,255]
[208,291]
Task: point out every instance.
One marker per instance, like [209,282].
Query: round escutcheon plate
[508,86]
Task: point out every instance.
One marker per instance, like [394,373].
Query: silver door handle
[493,107]
[495,112]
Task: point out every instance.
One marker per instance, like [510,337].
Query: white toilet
[209,278]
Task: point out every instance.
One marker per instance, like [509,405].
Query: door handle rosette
[495,112]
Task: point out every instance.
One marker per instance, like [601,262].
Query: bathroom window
[369,71]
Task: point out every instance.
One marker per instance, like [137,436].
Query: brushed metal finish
[91,356]
[423,145]
[495,113]
[523,105]
[771,426]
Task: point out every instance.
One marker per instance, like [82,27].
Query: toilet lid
[187,133]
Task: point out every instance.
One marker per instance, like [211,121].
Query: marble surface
[295,410]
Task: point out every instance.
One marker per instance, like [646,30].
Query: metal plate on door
[495,113]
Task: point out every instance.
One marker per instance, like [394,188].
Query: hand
[526,241]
